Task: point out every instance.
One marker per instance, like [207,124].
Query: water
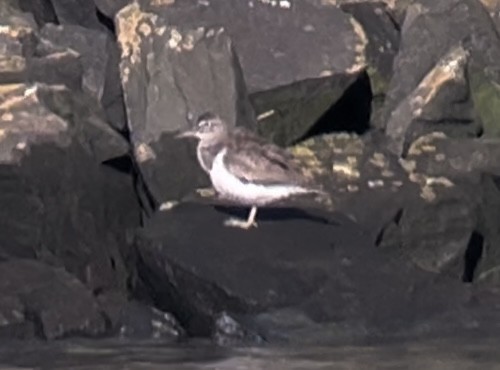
[442,354]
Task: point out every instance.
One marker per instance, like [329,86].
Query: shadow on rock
[272,214]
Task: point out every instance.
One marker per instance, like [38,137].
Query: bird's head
[208,127]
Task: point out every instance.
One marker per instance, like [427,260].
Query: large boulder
[436,206]
[98,55]
[25,58]
[62,205]
[67,212]
[304,276]
[297,58]
[453,230]
[81,58]
[443,80]
[45,302]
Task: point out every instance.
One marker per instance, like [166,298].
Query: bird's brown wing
[253,159]
[243,138]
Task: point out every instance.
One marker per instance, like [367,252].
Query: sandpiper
[245,168]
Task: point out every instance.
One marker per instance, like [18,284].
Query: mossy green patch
[486,96]
[378,83]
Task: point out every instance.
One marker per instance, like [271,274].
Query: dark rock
[99,61]
[46,302]
[436,154]
[202,278]
[434,68]
[13,321]
[278,43]
[312,263]
[493,8]
[382,33]
[90,44]
[26,59]
[303,109]
[227,331]
[42,11]
[170,76]
[363,178]
[431,206]
[78,57]
[132,319]
[435,234]
[110,7]
[77,12]
[12,14]
[460,203]
[444,90]
[56,68]
[112,100]
[297,58]
[17,39]
[62,205]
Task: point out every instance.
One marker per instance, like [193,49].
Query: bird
[244,167]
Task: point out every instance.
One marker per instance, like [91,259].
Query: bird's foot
[242,224]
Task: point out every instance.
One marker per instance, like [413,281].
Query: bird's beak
[187,133]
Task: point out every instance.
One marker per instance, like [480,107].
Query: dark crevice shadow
[105,21]
[275,214]
[351,113]
[121,164]
[472,256]
[496,180]
[394,221]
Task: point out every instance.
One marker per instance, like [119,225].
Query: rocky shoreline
[108,226]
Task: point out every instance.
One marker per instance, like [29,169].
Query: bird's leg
[243,224]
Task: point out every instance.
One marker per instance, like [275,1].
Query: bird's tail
[314,190]
[321,196]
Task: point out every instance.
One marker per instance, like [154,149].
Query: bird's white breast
[230,186]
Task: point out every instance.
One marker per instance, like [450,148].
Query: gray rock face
[434,68]
[42,11]
[56,191]
[98,56]
[297,58]
[45,302]
[278,43]
[460,200]
[77,12]
[78,57]
[430,207]
[110,7]
[379,25]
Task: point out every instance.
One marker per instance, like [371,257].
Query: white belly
[229,186]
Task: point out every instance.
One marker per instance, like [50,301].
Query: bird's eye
[205,123]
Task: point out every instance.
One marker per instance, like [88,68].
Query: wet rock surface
[108,226]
